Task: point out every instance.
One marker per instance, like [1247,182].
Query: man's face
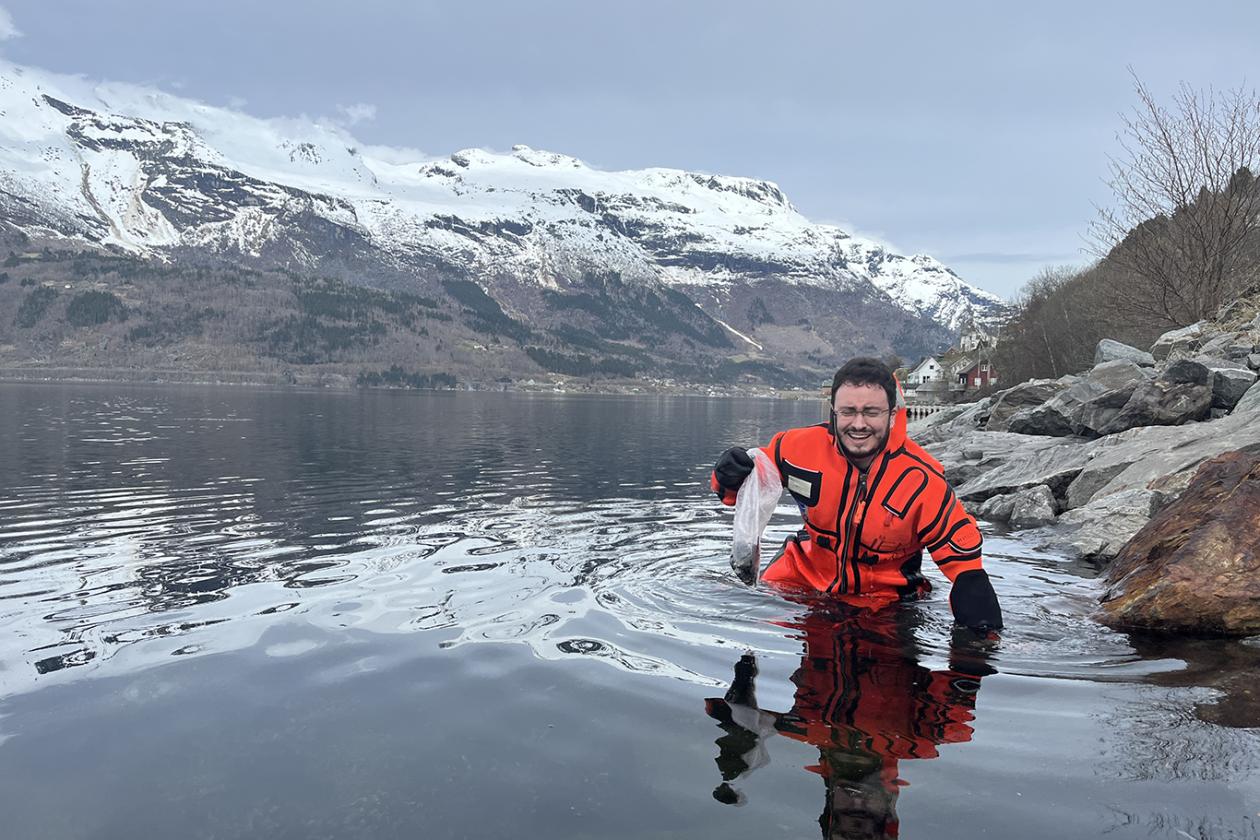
[862,419]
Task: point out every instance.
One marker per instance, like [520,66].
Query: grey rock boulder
[1048,419]
[1112,351]
[950,423]
[1101,528]
[1180,340]
[1025,395]
[1230,346]
[1118,373]
[1163,403]
[1017,462]
[1033,507]
[1096,414]
[1253,361]
[1158,457]
[1250,401]
[1030,508]
[1229,385]
[996,509]
[968,455]
[1184,372]
[1086,406]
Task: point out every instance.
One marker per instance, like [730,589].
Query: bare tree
[1186,201]
[1056,323]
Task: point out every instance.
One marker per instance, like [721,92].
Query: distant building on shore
[959,370]
[925,371]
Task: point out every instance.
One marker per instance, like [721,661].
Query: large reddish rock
[1195,567]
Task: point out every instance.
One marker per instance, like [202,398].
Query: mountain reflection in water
[241,613]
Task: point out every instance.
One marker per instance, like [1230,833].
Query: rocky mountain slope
[684,267]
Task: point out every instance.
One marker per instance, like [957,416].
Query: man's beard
[880,440]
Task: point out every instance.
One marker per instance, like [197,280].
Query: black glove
[974,602]
[743,688]
[733,467]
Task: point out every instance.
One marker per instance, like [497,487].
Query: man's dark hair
[866,371]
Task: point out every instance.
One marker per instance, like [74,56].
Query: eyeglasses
[848,413]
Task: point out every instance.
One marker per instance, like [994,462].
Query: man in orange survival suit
[871,499]
[864,701]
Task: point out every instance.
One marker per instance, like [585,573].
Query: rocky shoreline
[1099,462]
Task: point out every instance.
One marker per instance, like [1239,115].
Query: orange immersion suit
[864,530]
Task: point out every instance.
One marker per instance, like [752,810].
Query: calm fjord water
[238,613]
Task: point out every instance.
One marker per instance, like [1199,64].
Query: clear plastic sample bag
[754,505]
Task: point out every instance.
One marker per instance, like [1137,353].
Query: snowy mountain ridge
[147,171]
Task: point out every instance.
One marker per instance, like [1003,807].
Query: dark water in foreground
[231,613]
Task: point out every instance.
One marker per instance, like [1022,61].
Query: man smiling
[871,500]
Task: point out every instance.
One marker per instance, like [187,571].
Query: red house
[980,374]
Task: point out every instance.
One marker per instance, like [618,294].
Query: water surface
[240,613]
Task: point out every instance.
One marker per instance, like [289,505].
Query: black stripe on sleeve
[975,555]
[939,544]
[940,518]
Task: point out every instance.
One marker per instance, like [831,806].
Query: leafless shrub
[1186,203]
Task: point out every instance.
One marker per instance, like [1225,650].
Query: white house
[928,370]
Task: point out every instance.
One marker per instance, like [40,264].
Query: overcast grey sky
[977,132]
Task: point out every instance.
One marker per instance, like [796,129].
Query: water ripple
[195,534]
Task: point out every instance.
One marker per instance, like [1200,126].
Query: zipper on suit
[857,533]
[857,530]
[841,555]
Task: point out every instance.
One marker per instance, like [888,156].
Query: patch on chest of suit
[805,485]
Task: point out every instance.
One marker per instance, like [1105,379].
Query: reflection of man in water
[864,700]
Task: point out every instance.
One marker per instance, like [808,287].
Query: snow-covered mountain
[161,176]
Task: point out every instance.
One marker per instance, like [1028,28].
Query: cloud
[357,113]
[7,29]
[1003,257]
[874,236]
[396,155]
